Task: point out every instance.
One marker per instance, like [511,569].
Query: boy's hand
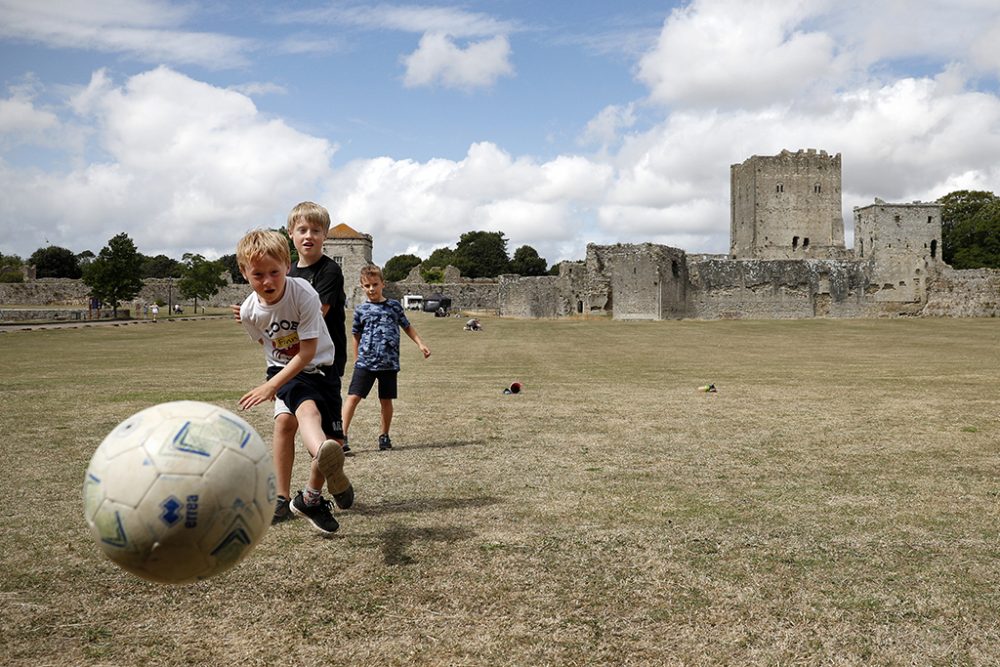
[235,307]
[257,395]
[426,350]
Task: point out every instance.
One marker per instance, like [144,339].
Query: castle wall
[964,293]
[786,206]
[638,281]
[775,289]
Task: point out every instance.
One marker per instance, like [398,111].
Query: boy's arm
[357,343]
[268,390]
[412,333]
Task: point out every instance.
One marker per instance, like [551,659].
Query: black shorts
[323,388]
[363,380]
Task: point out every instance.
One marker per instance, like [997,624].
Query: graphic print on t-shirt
[284,337]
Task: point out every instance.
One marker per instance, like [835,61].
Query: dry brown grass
[836,502]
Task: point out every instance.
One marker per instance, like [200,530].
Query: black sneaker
[345,498]
[384,442]
[345,446]
[282,511]
[319,515]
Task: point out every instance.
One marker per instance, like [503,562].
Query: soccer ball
[179,492]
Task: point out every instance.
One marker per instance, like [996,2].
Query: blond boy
[284,315]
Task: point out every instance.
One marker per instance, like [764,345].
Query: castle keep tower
[786,206]
[352,250]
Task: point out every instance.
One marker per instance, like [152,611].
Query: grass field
[837,502]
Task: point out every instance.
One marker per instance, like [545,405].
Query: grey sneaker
[319,515]
[282,511]
[384,442]
[330,459]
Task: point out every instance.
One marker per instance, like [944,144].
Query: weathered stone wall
[964,293]
[639,281]
[69,292]
[775,289]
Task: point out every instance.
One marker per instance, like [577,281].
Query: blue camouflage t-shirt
[378,324]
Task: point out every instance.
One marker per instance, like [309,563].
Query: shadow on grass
[397,539]
[424,445]
[423,505]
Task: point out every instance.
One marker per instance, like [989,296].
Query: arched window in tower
[817,188]
[795,242]
[934,249]
[780,187]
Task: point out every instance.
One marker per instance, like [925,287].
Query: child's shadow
[397,539]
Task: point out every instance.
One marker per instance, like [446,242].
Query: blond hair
[260,243]
[371,271]
[309,212]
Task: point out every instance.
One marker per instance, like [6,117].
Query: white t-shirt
[296,316]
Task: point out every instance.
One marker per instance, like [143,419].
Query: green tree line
[477,255]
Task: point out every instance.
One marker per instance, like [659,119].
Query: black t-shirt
[327,279]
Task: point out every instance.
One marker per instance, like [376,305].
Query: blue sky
[184,124]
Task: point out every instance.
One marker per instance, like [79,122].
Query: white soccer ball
[179,492]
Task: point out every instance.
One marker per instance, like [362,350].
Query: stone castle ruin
[786,260]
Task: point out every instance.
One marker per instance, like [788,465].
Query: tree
[11,269]
[85,258]
[957,208]
[482,254]
[432,269]
[291,245]
[161,266]
[115,276]
[526,262]
[399,267]
[977,240]
[554,269]
[200,278]
[55,262]
[229,261]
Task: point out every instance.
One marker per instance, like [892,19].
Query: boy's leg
[386,415]
[285,426]
[387,392]
[350,405]
[328,456]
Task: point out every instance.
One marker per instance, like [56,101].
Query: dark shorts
[323,388]
[363,380]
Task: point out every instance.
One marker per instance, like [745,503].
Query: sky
[185,124]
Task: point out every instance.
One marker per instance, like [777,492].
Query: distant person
[375,329]
[283,313]
[308,225]
[154,310]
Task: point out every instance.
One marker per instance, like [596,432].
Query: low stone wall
[478,296]
[964,293]
[776,289]
[70,292]
[9,315]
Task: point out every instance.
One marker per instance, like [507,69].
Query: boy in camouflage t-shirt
[376,350]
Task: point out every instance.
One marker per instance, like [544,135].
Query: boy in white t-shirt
[284,315]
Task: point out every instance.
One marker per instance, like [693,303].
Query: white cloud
[19,116]
[254,88]
[730,53]
[604,128]
[189,167]
[438,60]
[418,19]
[143,29]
